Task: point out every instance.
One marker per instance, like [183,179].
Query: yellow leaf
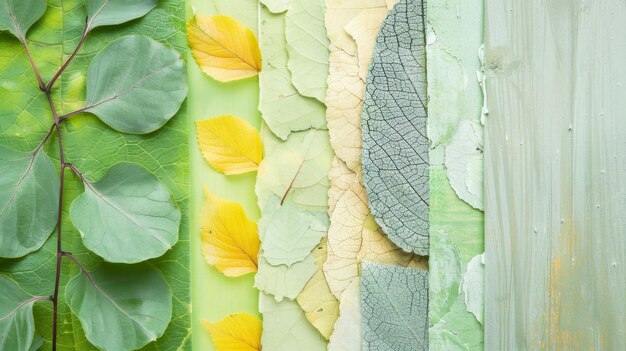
[230,144]
[224,48]
[237,332]
[230,241]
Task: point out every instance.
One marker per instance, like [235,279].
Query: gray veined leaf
[111,12]
[29,196]
[17,323]
[121,307]
[395,145]
[394,308]
[127,216]
[136,85]
[17,16]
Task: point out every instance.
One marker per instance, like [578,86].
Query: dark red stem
[69,60]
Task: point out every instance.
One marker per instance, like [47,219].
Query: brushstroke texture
[554,168]
[395,146]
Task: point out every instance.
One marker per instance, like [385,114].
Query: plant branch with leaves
[135,85]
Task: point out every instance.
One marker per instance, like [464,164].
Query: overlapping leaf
[17,323]
[121,307]
[224,48]
[347,333]
[110,12]
[18,16]
[230,241]
[237,332]
[230,144]
[395,145]
[394,308]
[282,281]
[276,6]
[29,193]
[132,69]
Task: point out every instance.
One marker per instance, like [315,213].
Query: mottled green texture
[395,147]
[445,276]
[93,147]
[17,16]
[121,307]
[285,327]
[29,193]
[133,69]
[282,281]
[284,109]
[110,12]
[127,216]
[394,308]
[17,324]
[307,46]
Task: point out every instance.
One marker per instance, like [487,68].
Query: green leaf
[276,6]
[110,12]
[136,85]
[394,308]
[307,45]
[17,323]
[127,216]
[395,144]
[285,327]
[282,281]
[29,198]
[121,307]
[17,16]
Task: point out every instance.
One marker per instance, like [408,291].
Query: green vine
[126,217]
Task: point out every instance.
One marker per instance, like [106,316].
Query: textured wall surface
[554,167]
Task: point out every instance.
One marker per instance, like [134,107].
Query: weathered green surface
[93,147]
[554,167]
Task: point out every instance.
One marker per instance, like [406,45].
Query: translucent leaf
[17,323]
[237,332]
[395,145]
[17,16]
[224,48]
[127,216]
[282,281]
[285,327]
[128,73]
[110,12]
[29,198]
[121,307]
[230,241]
[307,46]
[319,304]
[394,308]
[230,144]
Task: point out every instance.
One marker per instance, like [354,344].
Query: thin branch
[69,60]
[45,138]
[66,116]
[42,85]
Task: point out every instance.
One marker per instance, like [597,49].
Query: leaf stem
[71,58]
[42,86]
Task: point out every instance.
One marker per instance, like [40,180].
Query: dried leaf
[363,29]
[353,235]
[347,334]
[395,146]
[224,48]
[230,241]
[319,304]
[230,144]
[237,332]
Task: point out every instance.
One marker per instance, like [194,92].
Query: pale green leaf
[464,163]
[347,333]
[17,16]
[307,46]
[17,323]
[445,276]
[127,216]
[283,108]
[121,307]
[276,6]
[136,84]
[29,197]
[285,327]
[110,12]
[394,308]
[395,145]
[290,234]
[282,281]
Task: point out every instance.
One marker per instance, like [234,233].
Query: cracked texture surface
[394,308]
[395,146]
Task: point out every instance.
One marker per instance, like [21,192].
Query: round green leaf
[121,307]
[17,16]
[17,324]
[127,216]
[29,197]
[111,12]
[136,84]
